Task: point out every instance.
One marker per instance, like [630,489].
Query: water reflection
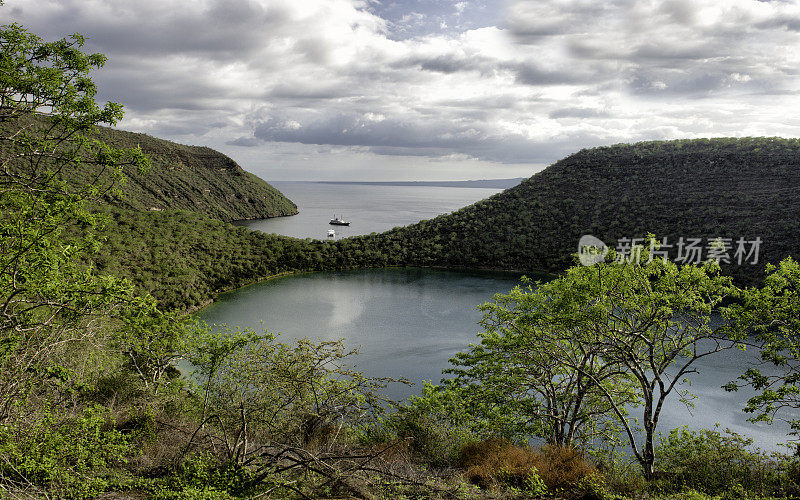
[409,322]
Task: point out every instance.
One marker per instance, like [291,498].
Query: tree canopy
[564,357]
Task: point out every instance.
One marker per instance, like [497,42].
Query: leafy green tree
[47,111]
[537,371]
[152,341]
[614,327]
[716,462]
[771,315]
[209,348]
[262,394]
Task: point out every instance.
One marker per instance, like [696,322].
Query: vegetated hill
[730,188]
[195,178]
[183,177]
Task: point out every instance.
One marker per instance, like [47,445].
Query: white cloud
[331,81]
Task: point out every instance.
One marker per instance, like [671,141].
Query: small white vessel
[338,221]
[331,233]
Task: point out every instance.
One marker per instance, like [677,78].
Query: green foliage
[201,477]
[534,485]
[193,178]
[627,191]
[76,457]
[257,389]
[579,350]
[704,188]
[717,463]
[772,313]
[534,373]
[185,259]
[45,295]
[436,423]
[152,340]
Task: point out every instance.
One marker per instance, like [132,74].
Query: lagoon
[410,322]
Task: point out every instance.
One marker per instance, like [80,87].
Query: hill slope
[730,188]
[181,177]
[195,178]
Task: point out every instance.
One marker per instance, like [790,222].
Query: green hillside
[183,177]
[730,188]
[196,178]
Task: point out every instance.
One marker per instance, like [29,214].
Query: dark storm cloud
[407,138]
[532,74]
[306,91]
[445,63]
[355,130]
[495,102]
[221,30]
[528,27]
[146,91]
[788,22]
[652,51]
[245,142]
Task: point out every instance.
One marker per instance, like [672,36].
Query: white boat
[338,221]
[331,233]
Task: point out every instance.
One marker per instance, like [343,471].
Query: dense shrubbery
[179,177]
[709,188]
[185,259]
[704,188]
[715,462]
[76,457]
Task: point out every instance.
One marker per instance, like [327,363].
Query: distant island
[480,183]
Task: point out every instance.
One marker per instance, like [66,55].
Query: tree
[654,319]
[47,114]
[535,372]
[152,340]
[208,349]
[276,408]
[259,389]
[643,321]
[771,316]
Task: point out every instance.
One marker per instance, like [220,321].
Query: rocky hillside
[195,178]
[181,177]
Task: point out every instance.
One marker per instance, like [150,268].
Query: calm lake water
[367,208]
[409,322]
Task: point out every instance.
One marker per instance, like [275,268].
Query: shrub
[714,463]
[66,457]
[200,476]
[566,469]
[431,442]
[497,463]
[436,422]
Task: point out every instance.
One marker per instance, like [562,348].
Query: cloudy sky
[434,89]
